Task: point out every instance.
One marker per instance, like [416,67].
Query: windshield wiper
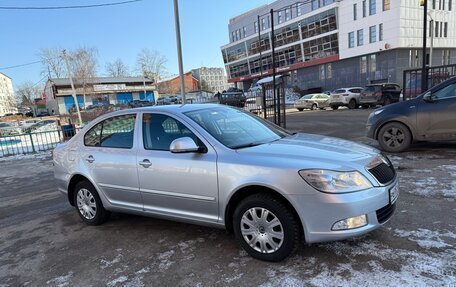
[252,144]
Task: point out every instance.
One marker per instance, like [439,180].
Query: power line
[21,65]
[69,7]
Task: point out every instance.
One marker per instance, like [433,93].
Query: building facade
[172,84]
[98,91]
[327,44]
[211,79]
[7,101]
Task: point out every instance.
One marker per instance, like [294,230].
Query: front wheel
[266,228]
[314,107]
[88,204]
[352,104]
[394,137]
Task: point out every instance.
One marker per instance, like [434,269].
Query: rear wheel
[266,228]
[88,204]
[352,104]
[314,107]
[394,137]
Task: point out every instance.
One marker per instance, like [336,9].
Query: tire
[88,204]
[300,110]
[265,247]
[334,107]
[314,107]
[352,104]
[394,137]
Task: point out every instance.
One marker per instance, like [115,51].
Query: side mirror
[183,145]
[428,97]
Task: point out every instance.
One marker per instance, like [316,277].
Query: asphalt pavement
[44,243]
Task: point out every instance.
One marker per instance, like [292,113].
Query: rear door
[368,94]
[437,119]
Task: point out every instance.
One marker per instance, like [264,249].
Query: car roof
[168,108]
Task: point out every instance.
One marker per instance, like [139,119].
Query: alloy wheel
[393,137]
[86,204]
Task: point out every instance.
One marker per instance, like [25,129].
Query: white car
[346,97]
[8,129]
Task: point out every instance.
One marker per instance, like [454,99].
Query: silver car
[220,166]
[312,101]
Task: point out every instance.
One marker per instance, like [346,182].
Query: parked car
[139,103]
[232,97]
[272,188]
[43,114]
[26,126]
[429,117]
[345,97]
[380,94]
[255,88]
[163,101]
[312,101]
[7,129]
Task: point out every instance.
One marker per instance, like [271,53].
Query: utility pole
[423,68]
[65,58]
[179,50]
[431,31]
[274,94]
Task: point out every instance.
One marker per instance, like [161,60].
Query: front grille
[385,213]
[383,173]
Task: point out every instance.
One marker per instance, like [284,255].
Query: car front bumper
[323,210]
[303,105]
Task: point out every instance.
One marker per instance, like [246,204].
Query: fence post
[31,140]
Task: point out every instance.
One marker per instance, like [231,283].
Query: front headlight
[335,181]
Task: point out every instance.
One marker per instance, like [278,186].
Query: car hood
[313,147]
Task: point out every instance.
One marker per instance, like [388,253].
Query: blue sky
[117,32]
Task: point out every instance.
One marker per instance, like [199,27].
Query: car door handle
[145,163]
[90,159]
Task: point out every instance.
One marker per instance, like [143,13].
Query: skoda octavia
[223,167]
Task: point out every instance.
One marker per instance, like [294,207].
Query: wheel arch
[248,190]
[377,131]
[75,179]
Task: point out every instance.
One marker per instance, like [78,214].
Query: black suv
[429,117]
[380,94]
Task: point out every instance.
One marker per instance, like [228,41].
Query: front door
[437,119]
[179,185]
[109,155]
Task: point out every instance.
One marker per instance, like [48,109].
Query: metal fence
[32,142]
[412,80]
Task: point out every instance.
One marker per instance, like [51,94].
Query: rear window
[371,88]
[355,91]
[307,97]
[339,91]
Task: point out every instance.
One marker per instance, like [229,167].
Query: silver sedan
[224,167]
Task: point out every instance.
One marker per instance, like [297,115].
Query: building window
[443,5]
[255,25]
[436,34]
[287,14]
[329,71]
[360,37]
[363,65]
[372,7]
[233,36]
[440,4]
[299,9]
[315,4]
[373,63]
[364,8]
[354,11]
[386,5]
[263,23]
[351,40]
[441,29]
[279,17]
[238,34]
[445,30]
[372,34]
[380,32]
[433,4]
[243,32]
[449,5]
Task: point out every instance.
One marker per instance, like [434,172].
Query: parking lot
[44,243]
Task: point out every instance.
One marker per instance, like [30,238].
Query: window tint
[356,91]
[116,132]
[339,91]
[159,131]
[447,92]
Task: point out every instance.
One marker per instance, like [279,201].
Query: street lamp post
[423,68]
[179,50]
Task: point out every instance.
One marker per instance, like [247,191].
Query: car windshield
[235,128]
[306,97]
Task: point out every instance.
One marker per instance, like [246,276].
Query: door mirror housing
[428,97]
[183,145]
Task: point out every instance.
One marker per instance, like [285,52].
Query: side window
[447,92]
[116,132]
[159,131]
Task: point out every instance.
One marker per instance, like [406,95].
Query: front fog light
[350,223]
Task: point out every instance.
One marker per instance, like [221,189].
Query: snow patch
[426,238]
[106,263]
[116,281]
[165,260]
[40,155]
[61,281]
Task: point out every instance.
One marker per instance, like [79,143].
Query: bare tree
[83,63]
[26,93]
[53,64]
[117,69]
[151,64]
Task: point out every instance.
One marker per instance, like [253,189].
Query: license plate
[394,193]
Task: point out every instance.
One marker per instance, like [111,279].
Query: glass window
[436,29]
[351,39]
[360,37]
[116,132]
[287,14]
[386,5]
[299,9]
[372,34]
[380,32]
[256,26]
[445,30]
[279,17]
[235,128]
[364,8]
[243,32]
[447,92]
[354,11]
[159,131]
[372,7]
[373,63]
[363,64]
[449,5]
